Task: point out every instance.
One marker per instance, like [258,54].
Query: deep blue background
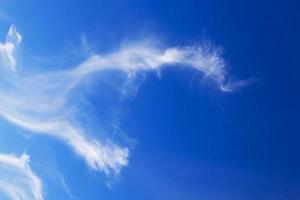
[194,142]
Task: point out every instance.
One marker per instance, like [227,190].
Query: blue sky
[149,100]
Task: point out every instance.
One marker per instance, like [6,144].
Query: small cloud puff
[7,49]
[17,180]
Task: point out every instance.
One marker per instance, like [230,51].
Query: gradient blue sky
[187,138]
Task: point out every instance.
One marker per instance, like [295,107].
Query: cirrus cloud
[45,103]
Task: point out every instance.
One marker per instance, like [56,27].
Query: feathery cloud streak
[45,103]
[17,180]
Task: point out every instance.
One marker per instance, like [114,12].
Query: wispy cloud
[66,188]
[145,56]
[45,103]
[7,49]
[17,180]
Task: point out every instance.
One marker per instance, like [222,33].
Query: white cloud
[145,57]
[45,103]
[17,180]
[7,49]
